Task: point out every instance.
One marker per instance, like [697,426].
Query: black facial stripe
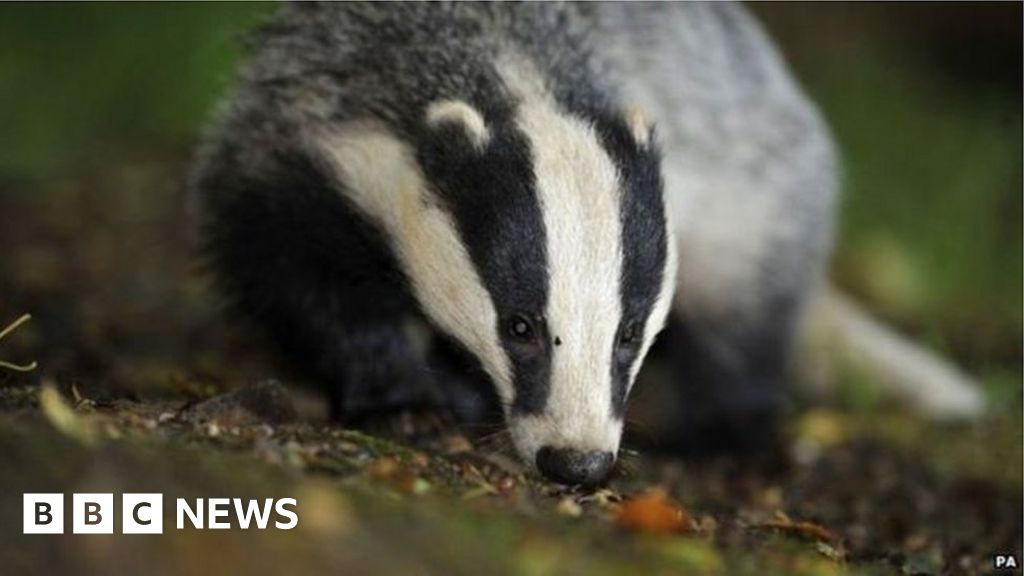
[492,198]
[644,241]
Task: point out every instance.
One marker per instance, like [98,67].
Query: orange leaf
[654,512]
[807,530]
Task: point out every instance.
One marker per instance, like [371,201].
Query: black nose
[568,466]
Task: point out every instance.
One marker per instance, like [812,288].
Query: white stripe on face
[578,186]
[380,175]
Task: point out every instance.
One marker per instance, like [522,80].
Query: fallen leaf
[803,529]
[383,468]
[568,507]
[829,551]
[654,512]
[63,417]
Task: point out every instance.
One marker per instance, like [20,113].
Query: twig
[9,329]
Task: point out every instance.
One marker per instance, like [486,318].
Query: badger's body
[485,171]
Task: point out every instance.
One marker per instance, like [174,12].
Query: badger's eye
[629,335]
[521,328]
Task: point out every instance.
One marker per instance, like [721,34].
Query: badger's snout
[568,466]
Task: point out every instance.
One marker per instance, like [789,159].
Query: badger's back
[749,167]
[335,62]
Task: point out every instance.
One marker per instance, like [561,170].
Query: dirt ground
[141,386]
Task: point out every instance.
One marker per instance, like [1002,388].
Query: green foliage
[931,229]
[933,181]
[77,79]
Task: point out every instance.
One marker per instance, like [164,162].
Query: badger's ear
[639,124]
[460,116]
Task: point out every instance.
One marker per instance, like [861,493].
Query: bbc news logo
[93,513]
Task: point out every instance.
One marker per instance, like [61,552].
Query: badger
[539,189]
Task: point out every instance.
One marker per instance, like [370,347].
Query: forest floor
[863,497]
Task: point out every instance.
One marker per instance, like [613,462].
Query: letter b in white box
[142,514]
[92,514]
[42,514]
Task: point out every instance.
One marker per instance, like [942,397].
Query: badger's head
[538,240]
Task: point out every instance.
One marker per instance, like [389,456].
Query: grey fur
[735,129]
[748,166]
[751,176]
[328,63]
[722,101]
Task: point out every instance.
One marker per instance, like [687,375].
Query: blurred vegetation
[78,82]
[925,103]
